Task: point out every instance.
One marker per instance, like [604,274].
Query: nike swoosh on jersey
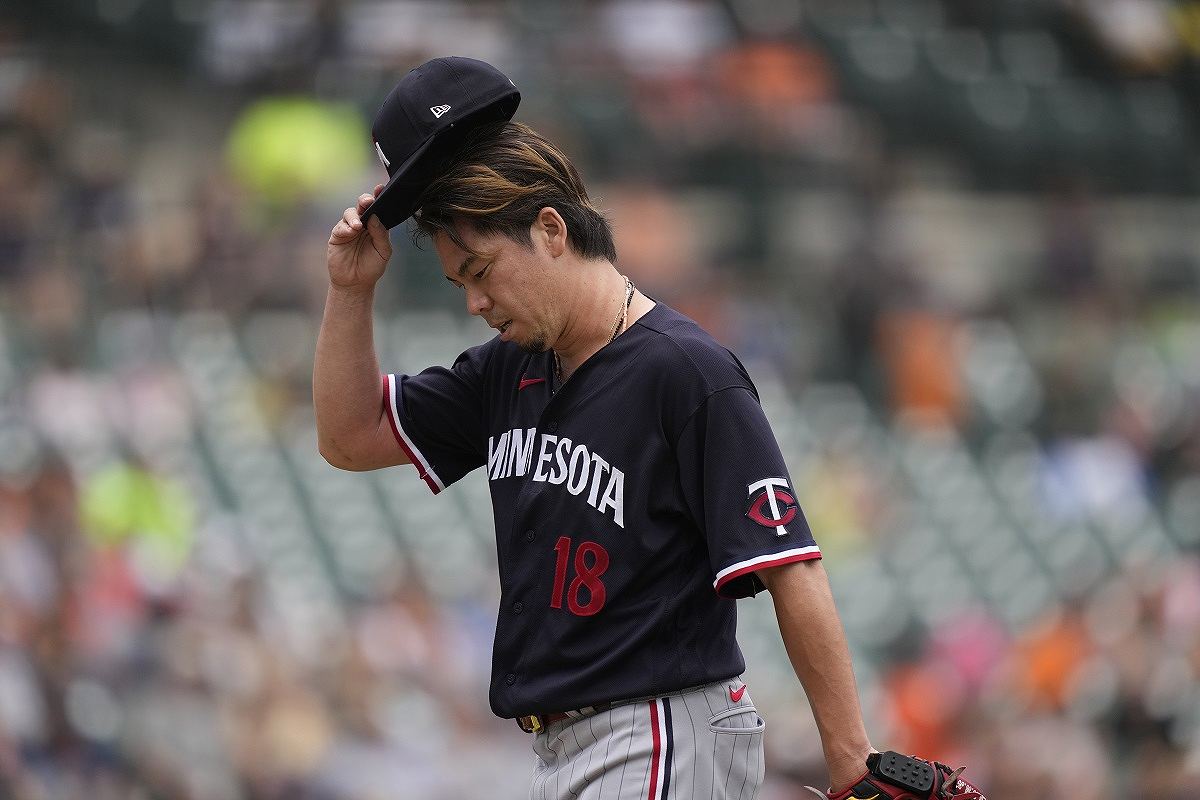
[529,382]
[736,696]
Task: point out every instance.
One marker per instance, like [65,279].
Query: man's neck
[594,306]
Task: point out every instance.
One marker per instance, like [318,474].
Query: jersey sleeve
[437,417]
[738,490]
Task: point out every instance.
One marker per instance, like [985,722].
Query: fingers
[349,227]
[351,224]
[341,234]
[379,235]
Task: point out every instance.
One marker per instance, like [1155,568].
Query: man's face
[510,286]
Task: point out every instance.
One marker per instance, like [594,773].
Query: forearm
[816,645]
[347,392]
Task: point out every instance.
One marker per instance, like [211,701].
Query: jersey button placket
[510,679]
[529,535]
[518,607]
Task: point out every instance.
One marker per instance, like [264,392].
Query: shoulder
[494,363]
[682,366]
[489,356]
[480,357]
[689,356]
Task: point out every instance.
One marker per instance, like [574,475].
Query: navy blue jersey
[632,506]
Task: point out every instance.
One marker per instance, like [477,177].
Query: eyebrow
[462,270]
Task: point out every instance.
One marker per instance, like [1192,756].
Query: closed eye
[479,275]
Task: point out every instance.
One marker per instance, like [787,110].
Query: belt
[535,723]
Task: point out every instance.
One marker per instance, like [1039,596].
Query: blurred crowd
[759,179]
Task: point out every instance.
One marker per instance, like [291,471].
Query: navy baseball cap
[425,118]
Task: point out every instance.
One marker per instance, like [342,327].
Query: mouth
[503,326]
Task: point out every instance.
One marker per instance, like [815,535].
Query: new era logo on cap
[439,110]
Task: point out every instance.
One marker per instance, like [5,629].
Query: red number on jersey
[587,576]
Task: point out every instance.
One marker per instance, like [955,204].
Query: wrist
[352,294]
[847,768]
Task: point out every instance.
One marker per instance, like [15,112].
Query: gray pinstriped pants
[699,744]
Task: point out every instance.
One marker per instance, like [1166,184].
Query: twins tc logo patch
[772,504]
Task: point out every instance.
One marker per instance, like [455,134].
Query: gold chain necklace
[620,326]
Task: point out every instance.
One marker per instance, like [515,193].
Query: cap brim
[398,200]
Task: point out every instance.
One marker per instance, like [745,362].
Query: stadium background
[956,243]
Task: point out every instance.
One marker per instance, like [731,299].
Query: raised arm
[353,431]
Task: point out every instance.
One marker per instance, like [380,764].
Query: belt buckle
[530,724]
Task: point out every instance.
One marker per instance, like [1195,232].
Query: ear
[550,230]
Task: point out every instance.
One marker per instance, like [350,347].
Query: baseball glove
[892,776]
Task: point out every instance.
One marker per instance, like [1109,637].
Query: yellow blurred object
[287,148]
[123,502]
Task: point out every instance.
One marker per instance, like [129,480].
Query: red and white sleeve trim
[406,443]
[762,562]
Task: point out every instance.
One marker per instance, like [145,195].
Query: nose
[478,302]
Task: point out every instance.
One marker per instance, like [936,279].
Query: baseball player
[636,485]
